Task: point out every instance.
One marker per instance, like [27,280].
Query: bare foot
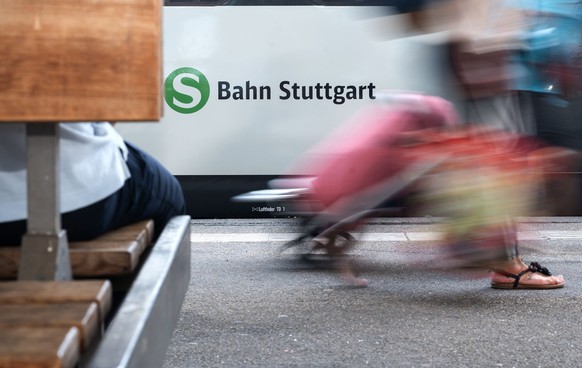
[348,276]
[354,281]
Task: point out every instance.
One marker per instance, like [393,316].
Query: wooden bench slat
[54,347]
[31,292]
[115,253]
[84,316]
[9,258]
[106,258]
[142,232]
[88,259]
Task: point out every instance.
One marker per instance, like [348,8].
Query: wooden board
[104,258]
[142,232]
[31,292]
[116,253]
[54,347]
[80,60]
[84,316]
[88,259]
[9,259]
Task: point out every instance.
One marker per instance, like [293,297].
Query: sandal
[533,267]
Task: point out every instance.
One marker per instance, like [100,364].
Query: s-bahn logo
[186,90]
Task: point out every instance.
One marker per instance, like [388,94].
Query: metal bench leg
[45,250]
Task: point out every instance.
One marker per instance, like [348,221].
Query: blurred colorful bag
[486,183]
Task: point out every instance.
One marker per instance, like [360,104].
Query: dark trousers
[151,193]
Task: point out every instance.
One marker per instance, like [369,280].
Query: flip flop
[533,267]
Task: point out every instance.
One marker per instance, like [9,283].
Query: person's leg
[83,224]
[12,232]
[556,124]
[152,192]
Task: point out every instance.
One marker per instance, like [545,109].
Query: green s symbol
[186,90]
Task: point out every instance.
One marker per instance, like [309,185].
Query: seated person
[105,183]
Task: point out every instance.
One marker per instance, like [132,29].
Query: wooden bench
[51,324]
[50,347]
[73,61]
[115,253]
[68,68]
[83,316]
[73,319]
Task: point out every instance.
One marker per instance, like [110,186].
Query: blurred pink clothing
[366,150]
